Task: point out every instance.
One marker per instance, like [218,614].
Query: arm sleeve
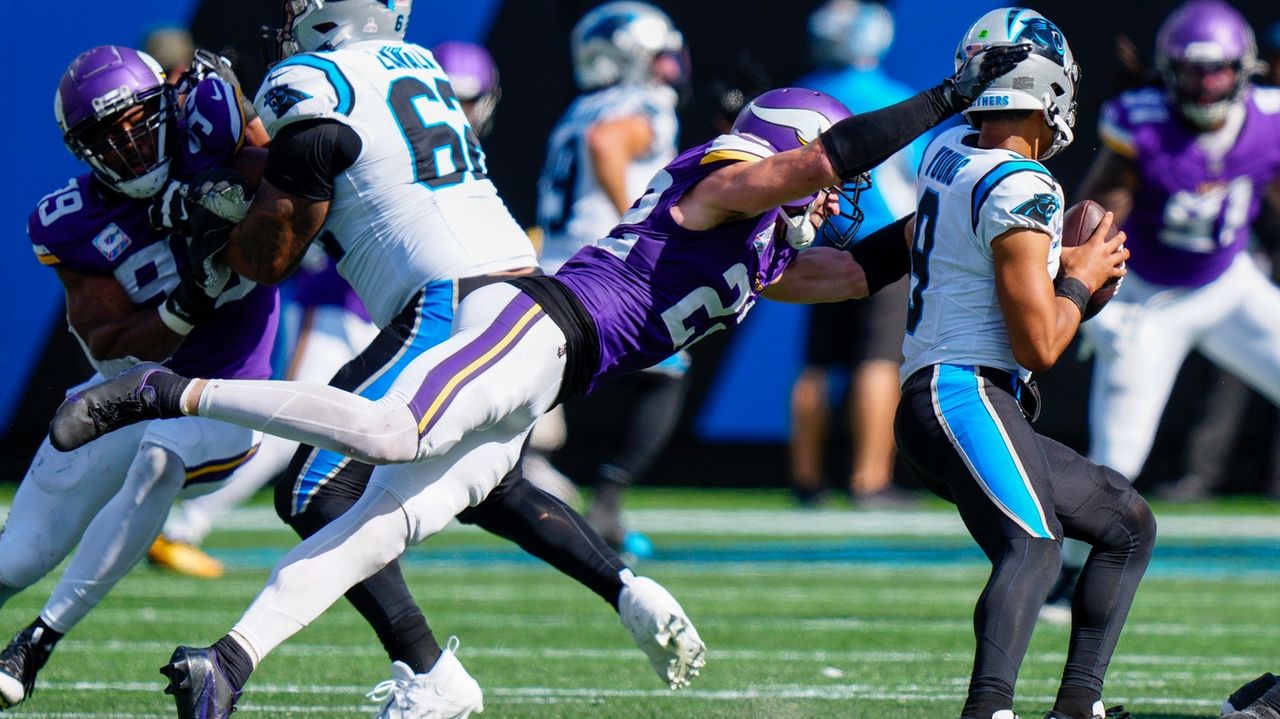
[883,254]
[305,157]
[856,144]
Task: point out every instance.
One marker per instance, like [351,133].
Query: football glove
[980,70]
[205,209]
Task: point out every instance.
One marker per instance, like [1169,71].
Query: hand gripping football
[1078,224]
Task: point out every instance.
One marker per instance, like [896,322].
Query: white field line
[801,523]
[842,692]
[1123,662]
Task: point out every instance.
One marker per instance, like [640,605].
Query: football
[1078,224]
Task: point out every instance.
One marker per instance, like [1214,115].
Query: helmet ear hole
[1057,89]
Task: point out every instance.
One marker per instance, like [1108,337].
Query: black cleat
[1249,693]
[198,684]
[19,663]
[126,399]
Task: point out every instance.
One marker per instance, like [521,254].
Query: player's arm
[848,149]
[826,274]
[293,200]
[614,144]
[100,313]
[1040,321]
[1111,182]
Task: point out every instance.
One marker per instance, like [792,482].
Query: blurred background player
[1185,168]
[129,297]
[986,312]
[630,62]
[855,346]
[332,327]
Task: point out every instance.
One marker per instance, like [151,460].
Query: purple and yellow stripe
[218,469]
[443,383]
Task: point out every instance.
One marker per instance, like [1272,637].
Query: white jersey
[416,206]
[966,197]
[573,209]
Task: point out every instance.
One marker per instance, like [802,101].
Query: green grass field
[807,614]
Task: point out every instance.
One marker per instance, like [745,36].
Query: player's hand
[214,201]
[980,70]
[1098,260]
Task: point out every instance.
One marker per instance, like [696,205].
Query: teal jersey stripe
[977,434]
[342,86]
[982,188]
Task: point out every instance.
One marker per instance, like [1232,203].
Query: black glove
[210,205]
[187,305]
[980,70]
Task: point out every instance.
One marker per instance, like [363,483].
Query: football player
[984,312]
[129,296]
[718,226]
[474,77]
[1185,168]
[629,60]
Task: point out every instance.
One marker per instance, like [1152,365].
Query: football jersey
[1192,213]
[85,228]
[966,197]
[654,287]
[573,209]
[416,206]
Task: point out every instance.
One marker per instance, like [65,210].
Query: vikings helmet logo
[1040,208]
[282,98]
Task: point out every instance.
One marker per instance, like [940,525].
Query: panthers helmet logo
[1048,40]
[282,98]
[1040,208]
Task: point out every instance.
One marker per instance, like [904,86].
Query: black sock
[44,636]
[981,705]
[234,660]
[410,641]
[1076,702]
[169,389]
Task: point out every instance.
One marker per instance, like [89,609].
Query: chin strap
[800,232]
[1062,133]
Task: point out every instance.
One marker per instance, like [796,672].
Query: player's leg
[649,420]
[874,399]
[1097,505]
[969,442]
[826,352]
[1246,341]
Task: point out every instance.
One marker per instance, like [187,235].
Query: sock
[982,705]
[1076,702]
[413,644]
[169,390]
[234,660]
[44,636]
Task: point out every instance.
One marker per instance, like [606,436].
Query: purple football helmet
[117,113]
[1206,55]
[474,77]
[790,118]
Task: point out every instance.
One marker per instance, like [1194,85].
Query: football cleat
[445,692]
[183,558]
[198,685]
[1256,710]
[19,664]
[1249,693]
[125,399]
[662,630]
[1100,711]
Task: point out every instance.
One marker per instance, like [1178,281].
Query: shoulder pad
[214,120]
[1123,115]
[303,87]
[66,229]
[1005,188]
[738,148]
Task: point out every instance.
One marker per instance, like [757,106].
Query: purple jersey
[1199,192]
[653,287]
[324,287]
[87,229]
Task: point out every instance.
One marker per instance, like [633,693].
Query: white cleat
[445,692]
[662,630]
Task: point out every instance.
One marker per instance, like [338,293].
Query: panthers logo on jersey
[283,97]
[1039,208]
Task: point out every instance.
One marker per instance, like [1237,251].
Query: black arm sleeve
[305,156]
[857,144]
[883,254]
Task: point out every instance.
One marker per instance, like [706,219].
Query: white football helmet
[617,43]
[1047,80]
[311,25]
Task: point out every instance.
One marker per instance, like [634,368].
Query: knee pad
[1035,559]
[508,495]
[153,467]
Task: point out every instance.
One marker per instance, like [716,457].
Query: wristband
[1074,290]
[173,320]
